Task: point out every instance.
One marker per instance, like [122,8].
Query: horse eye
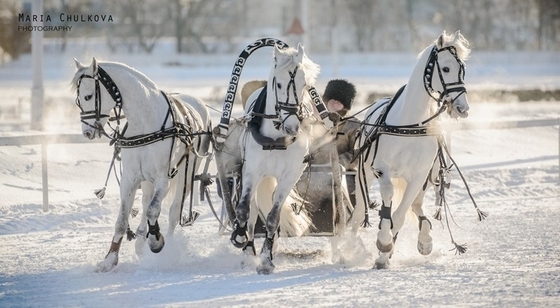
[446,69]
[279,86]
[87,97]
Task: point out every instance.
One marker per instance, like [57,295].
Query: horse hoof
[156,243]
[110,261]
[381,263]
[266,267]
[384,247]
[425,248]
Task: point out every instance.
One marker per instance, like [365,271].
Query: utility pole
[305,25]
[37,90]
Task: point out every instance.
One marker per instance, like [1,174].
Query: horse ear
[94,66]
[439,41]
[300,52]
[276,51]
[458,36]
[78,64]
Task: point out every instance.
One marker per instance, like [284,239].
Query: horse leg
[127,191]
[155,238]
[425,243]
[251,223]
[141,231]
[384,235]
[239,237]
[272,221]
[183,184]
[410,193]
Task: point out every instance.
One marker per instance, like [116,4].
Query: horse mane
[289,59]
[107,64]
[456,40]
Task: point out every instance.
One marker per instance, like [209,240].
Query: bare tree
[548,27]
[13,41]
[195,20]
[363,21]
[138,22]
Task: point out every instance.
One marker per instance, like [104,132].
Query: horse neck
[143,105]
[413,106]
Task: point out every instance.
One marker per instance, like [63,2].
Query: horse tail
[294,221]
[399,187]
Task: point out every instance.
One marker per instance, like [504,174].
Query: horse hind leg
[179,183]
[425,241]
[142,230]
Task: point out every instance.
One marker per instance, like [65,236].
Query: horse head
[95,104]
[292,75]
[448,56]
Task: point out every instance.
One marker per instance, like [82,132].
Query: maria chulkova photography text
[62,18]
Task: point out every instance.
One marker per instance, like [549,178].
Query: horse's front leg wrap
[239,237]
[156,240]
[384,245]
[385,213]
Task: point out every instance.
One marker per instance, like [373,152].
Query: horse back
[192,107]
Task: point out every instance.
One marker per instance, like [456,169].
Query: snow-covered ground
[513,259]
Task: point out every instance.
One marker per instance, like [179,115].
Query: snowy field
[513,259]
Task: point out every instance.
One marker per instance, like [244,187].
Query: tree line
[213,26]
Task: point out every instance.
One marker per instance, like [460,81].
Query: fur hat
[340,90]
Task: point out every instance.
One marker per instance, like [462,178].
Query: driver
[316,187]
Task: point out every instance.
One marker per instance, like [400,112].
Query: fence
[45,139]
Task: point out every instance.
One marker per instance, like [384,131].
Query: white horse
[399,140]
[160,145]
[274,149]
